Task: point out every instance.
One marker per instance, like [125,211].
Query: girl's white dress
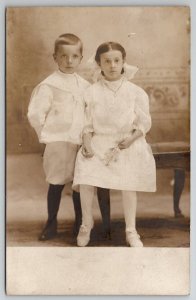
[113,110]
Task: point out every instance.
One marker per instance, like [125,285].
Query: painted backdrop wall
[156,40]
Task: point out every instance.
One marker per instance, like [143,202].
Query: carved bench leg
[179,180]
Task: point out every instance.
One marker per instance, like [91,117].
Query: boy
[56,113]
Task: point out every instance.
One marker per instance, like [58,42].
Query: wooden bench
[174,155]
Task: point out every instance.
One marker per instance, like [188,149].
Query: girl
[115,154]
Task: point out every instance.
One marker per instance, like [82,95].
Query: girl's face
[111,64]
[68,58]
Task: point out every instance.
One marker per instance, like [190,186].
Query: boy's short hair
[67,39]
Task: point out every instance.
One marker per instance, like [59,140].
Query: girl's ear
[123,69]
[54,56]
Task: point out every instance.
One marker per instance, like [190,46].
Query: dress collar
[115,85]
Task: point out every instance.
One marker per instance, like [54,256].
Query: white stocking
[86,196]
[129,200]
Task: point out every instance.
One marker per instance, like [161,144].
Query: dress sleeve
[88,118]
[142,119]
[40,104]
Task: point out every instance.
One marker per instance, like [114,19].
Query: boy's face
[68,57]
[111,64]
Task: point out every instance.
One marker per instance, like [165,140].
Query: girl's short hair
[67,39]
[105,47]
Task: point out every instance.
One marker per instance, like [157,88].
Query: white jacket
[56,108]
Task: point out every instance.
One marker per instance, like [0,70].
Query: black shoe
[178,214]
[107,234]
[49,231]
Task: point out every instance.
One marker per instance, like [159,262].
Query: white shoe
[133,239]
[83,237]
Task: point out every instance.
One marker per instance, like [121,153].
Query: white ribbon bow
[129,70]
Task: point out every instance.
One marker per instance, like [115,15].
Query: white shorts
[59,162]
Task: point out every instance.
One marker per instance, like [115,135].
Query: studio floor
[26,211]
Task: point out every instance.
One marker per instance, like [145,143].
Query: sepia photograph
[98,150]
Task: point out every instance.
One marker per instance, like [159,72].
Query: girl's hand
[87,151]
[124,144]
[136,133]
[86,148]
